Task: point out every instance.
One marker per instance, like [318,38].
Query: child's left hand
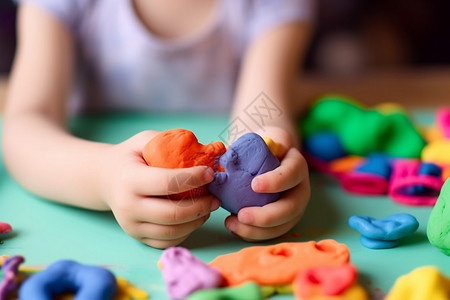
[276,218]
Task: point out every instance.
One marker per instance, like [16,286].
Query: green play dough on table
[363,131]
[248,291]
[438,229]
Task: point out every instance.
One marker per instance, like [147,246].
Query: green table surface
[44,232]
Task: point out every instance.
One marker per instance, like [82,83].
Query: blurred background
[362,40]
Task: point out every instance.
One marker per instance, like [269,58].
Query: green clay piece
[361,130]
[269,290]
[248,291]
[438,229]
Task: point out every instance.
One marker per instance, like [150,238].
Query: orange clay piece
[445,172]
[279,264]
[328,283]
[345,164]
[179,148]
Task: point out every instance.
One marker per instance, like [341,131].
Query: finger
[253,233]
[152,181]
[166,232]
[172,212]
[291,205]
[292,170]
[139,140]
[161,244]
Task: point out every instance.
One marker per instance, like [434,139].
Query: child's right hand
[137,194]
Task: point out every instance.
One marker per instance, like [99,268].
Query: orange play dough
[279,264]
[179,148]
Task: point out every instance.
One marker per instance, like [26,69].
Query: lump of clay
[179,148]
[370,177]
[279,264]
[5,227]
[10,270]
[363,131]
[438,229]
[247,291]
[184,274]
[87,282]
[423,283]
[415,183]
[437,152]
[246,158]
[336,282]
[324,145]
[383,233]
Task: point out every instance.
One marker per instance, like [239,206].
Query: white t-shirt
[123,66]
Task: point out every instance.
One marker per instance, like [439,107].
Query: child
[185,55]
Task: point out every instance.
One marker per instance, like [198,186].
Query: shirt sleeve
[68,12]
[267,14]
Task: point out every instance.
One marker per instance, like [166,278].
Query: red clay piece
[279,264]
[328,281]
[179,148]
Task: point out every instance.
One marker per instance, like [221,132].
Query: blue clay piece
[430,169]
[246,158]
[87,282]
[378,164]
[378,244]
[390,228]
[324,145]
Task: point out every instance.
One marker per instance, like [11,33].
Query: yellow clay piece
[127,291]
[424,283]
[437,152]
[390,108]
[432,134]
[274,147]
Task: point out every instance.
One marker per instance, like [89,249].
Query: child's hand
[276,218]
[137,194]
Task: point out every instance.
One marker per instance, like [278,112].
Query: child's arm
[50,162]
[271,65]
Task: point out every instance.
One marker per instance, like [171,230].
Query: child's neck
[172,19]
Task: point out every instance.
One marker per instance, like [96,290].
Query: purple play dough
[184,274]
[10,269]
[246,158]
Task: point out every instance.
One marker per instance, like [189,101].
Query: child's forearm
[265,98]
[51,163]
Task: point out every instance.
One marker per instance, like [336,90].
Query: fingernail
[208,175]
[215,204]
[245,217]
[255,183]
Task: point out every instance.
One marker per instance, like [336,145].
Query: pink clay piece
[405,175]
[5,227]
[443,121]
[364,183]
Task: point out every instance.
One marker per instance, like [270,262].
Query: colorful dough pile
[309,270]
[377,151]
